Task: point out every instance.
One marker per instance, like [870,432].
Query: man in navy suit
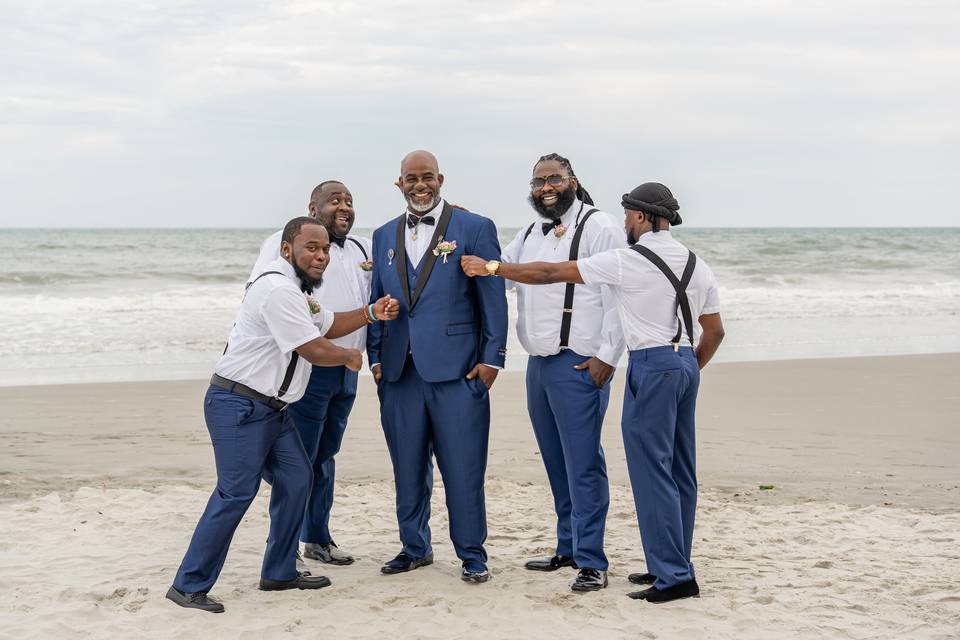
[436,362]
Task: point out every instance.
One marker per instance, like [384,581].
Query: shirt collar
[649,236]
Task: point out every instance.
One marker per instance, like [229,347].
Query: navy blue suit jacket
[447,321]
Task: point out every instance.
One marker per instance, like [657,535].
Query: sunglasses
[554,181]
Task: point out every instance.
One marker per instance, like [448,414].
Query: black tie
[548,226]
[338,240]
[413,220]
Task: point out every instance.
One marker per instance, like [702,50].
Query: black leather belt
[243,390]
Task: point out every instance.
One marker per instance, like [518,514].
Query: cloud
[187,105]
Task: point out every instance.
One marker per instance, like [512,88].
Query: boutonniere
[559,231]
[367,265]
[445,249]
[314,305]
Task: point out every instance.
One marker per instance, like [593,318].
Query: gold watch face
[492,267]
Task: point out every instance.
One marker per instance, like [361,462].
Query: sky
[227,113]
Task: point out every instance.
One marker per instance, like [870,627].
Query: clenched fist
[473,266]
[386,308]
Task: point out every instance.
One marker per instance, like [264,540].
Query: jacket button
[411,314]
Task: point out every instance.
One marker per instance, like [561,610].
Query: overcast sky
[227,113]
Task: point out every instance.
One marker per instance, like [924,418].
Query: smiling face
[552,189]
[333,207]
[309,253]
[420,181]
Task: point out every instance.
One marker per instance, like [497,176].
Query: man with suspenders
[321,415]
[573,336]
[264,367]
[660,287]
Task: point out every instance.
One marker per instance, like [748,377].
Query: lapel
[400,255]
[429,258]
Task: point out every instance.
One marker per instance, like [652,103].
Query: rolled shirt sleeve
[602,268]
[287,314]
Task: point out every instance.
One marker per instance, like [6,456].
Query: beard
[307,284]
[565,198]
[332,230]
[422,208]
[632,237]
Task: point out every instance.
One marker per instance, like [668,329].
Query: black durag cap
[655,200]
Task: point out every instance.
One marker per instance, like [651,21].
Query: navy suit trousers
[450,420]
[321,419]
[660,442]
[566,408]
[250,439]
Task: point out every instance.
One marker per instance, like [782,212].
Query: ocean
[85,305]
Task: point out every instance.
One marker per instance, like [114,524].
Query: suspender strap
[294,357]
[567,318]
[250,284]
[527,234]
[680,286]
[359,246]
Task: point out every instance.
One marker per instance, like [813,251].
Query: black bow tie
[413,220]
[549,226]
[338,240]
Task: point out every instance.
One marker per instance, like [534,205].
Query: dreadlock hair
[581,192]
[315,194]
[292,228]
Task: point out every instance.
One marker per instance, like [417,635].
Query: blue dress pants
[321,419]
[566,408]
[450,420]
[249,440]
[660,442]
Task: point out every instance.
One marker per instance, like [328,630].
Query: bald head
[419,158]
[420,180]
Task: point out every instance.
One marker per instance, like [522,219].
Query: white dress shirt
[646,301]
[274,319]
[417,247]
[345,286]
[595,326]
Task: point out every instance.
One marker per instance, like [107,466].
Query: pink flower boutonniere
[445,249]
[559,231]
[367,265]
[314,305]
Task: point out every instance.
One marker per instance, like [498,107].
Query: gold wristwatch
[492,267]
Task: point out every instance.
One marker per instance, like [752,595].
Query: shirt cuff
[492,366]
[608,355]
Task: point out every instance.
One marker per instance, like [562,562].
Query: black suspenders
[567,317]
[359,246]
[680,286]
[294,357]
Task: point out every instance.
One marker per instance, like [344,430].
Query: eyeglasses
[554,181]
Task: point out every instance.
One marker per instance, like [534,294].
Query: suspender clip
[568,310]
[676,347]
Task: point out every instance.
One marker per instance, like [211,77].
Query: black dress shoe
[642,578]
[657,596]
[199,600]
[405,562]
[302,581]
[551,564]
[590,580]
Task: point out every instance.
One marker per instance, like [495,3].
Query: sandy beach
[101,485]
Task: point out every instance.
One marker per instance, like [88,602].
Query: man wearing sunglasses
[572,333]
